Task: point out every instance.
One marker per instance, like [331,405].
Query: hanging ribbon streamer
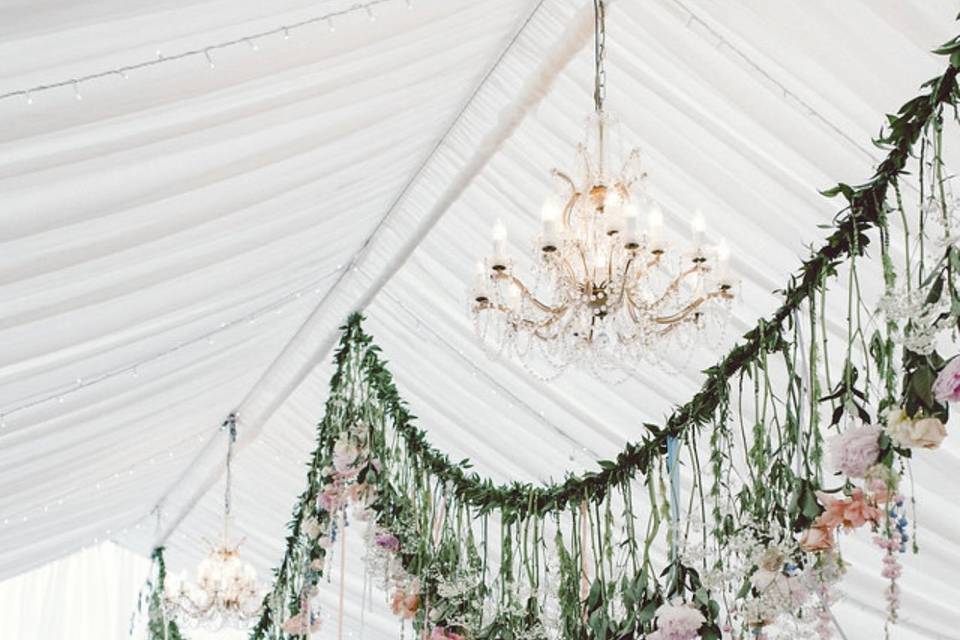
[343,576]
[673,470]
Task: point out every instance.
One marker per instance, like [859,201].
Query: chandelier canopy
[226,592]
[605,292]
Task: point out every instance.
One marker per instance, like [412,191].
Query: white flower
[677,622]
[899,427]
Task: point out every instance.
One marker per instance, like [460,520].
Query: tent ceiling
[200,216]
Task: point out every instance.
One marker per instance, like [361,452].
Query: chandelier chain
[230,424]
[600,54]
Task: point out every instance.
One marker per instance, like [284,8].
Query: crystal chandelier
[604,293]
[226,592]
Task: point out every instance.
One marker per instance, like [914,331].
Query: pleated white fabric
[171,232]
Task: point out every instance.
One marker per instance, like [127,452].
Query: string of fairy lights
[174,454]
[135,367]
[206,52]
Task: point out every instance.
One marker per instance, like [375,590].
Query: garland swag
[751,549]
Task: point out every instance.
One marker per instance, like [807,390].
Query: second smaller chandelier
[226,592]
[605,292]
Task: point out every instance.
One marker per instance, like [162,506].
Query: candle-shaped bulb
[550,214]
[499,232]
[723,252]
[613,212]
[631,226]
[655,228]
[655,218]
[550,209]
[723,265]
[699,227]
[499,247]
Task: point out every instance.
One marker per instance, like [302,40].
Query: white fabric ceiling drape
[170,232]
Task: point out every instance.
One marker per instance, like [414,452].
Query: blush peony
[947,386]
[442,633]
[856,449]
[677,622]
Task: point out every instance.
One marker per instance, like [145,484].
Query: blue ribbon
[673,470]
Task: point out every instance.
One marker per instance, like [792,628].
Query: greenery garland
[159,625]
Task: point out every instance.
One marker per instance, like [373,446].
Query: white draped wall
[164,238]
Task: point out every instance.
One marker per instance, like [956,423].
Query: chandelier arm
[673,286]
[571,274]
[626,273]
[532,325]
[563,176]
[568,208]
[626,184]
[525,290]
[583,260]
[648,266]
[693,306]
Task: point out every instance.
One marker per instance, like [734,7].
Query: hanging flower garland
[160,626]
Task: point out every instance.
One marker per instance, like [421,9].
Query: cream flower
[677,622]
[928,433]
[856,449]
[925,433]
[899,427]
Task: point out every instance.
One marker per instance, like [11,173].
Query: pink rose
[440,633]
[947,386]
[387,541]
[855,450]
[301,624]
[329,500]
[817,539]
[928,433]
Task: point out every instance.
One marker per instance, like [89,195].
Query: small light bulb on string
[124,74]
[286,33]
[28,97]
[409,5]
[206,54]
[76,91]
[371,16]
[159,55]
[3,421]
[253,45]
[330,26]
